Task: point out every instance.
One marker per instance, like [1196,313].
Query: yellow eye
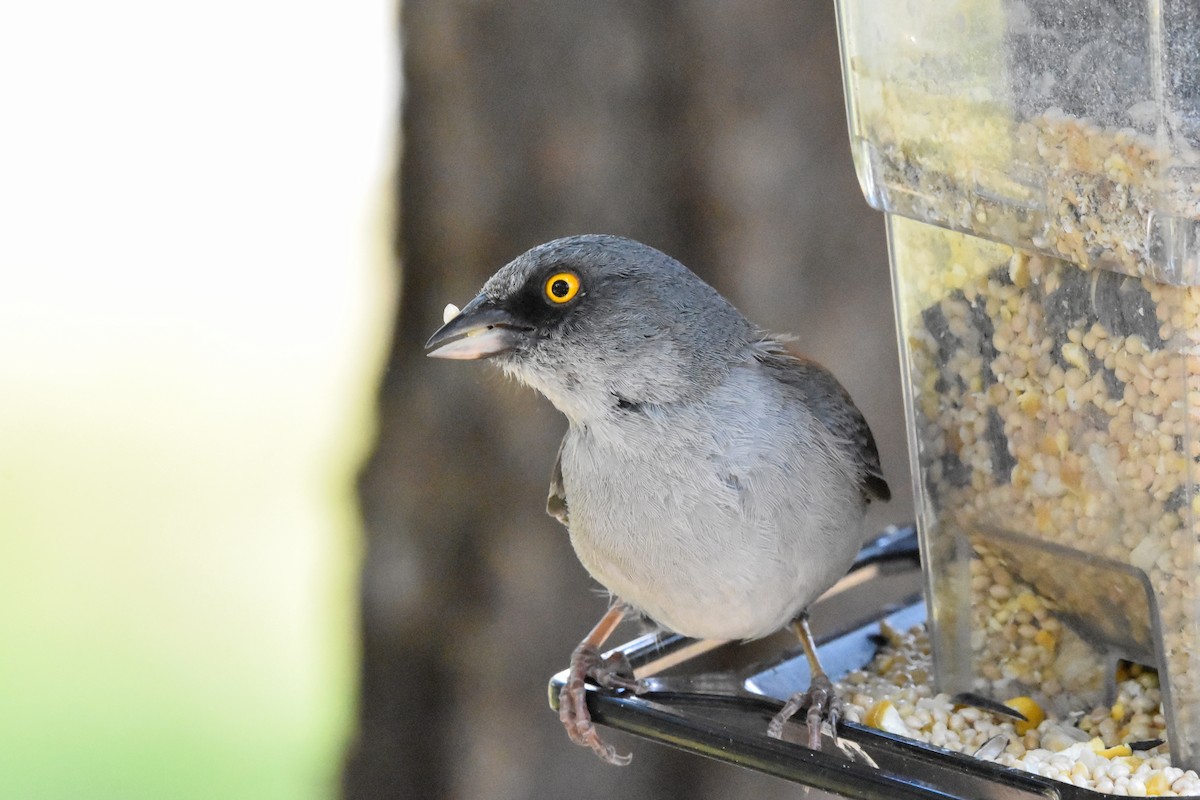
[562,286]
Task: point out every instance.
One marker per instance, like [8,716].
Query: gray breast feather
[720,519]
[820,392]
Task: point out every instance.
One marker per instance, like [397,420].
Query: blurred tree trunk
[712,131]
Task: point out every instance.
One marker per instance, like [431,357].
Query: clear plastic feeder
[1039,164]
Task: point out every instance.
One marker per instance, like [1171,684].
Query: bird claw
[613,672]
[822,704]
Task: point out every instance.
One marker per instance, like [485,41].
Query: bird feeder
[1038,162]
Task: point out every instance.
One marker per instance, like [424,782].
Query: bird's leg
[613,672]
[819,699]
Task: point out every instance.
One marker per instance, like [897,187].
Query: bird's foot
[822,705]
[613,672]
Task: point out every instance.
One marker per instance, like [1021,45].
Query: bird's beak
[480,330]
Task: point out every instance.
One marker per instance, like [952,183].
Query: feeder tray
[716,699]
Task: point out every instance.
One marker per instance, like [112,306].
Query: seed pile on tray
[1111,749]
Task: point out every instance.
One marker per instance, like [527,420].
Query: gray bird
[710,479]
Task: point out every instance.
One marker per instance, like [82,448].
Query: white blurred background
[195,298]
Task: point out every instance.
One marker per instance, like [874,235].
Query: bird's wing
[556,502]
[832,405]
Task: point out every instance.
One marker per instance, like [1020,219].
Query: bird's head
[596,322]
